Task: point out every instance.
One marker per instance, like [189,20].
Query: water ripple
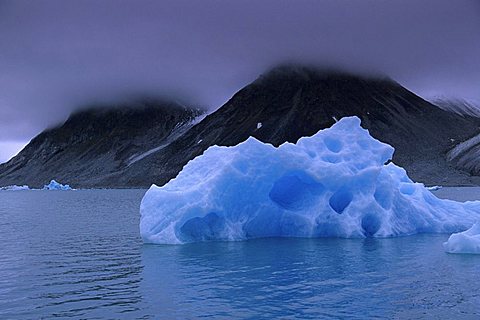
[78,255]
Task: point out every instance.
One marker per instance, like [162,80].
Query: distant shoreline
[459,193]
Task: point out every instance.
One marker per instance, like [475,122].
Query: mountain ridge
[100,138]
[460,106]
[272,95]
[285,104]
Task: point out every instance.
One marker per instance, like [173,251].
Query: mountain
[96,142]
[459,106]
[282,105]
[465,155]
[290,102]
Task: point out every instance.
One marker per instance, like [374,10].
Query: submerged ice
[336,183]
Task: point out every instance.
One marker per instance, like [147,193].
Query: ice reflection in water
[78,254]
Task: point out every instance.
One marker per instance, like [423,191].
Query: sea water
[78,254]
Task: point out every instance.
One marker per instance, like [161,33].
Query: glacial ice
[54,185]
[14,188]
[464,242]
[337,183]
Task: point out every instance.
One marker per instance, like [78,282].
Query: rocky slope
[283,105]
[94,143]
[466,155]
[459,106]
[291,102]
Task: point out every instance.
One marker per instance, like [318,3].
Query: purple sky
[58,55]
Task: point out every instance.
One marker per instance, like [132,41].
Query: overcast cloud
[58,55]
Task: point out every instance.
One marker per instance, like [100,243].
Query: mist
[58,56]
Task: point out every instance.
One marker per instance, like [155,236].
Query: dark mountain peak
[290,102]
[120,121]
[336,92]
[310,73]
[98,140]
[301,92]
[104,110]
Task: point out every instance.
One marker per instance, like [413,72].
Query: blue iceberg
[54,185]
[338,183]
[15,188]
[464,242]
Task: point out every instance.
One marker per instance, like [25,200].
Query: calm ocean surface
[78,254]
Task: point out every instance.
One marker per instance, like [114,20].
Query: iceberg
[339,182]
[14,188]
[54,185]
[464,242]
